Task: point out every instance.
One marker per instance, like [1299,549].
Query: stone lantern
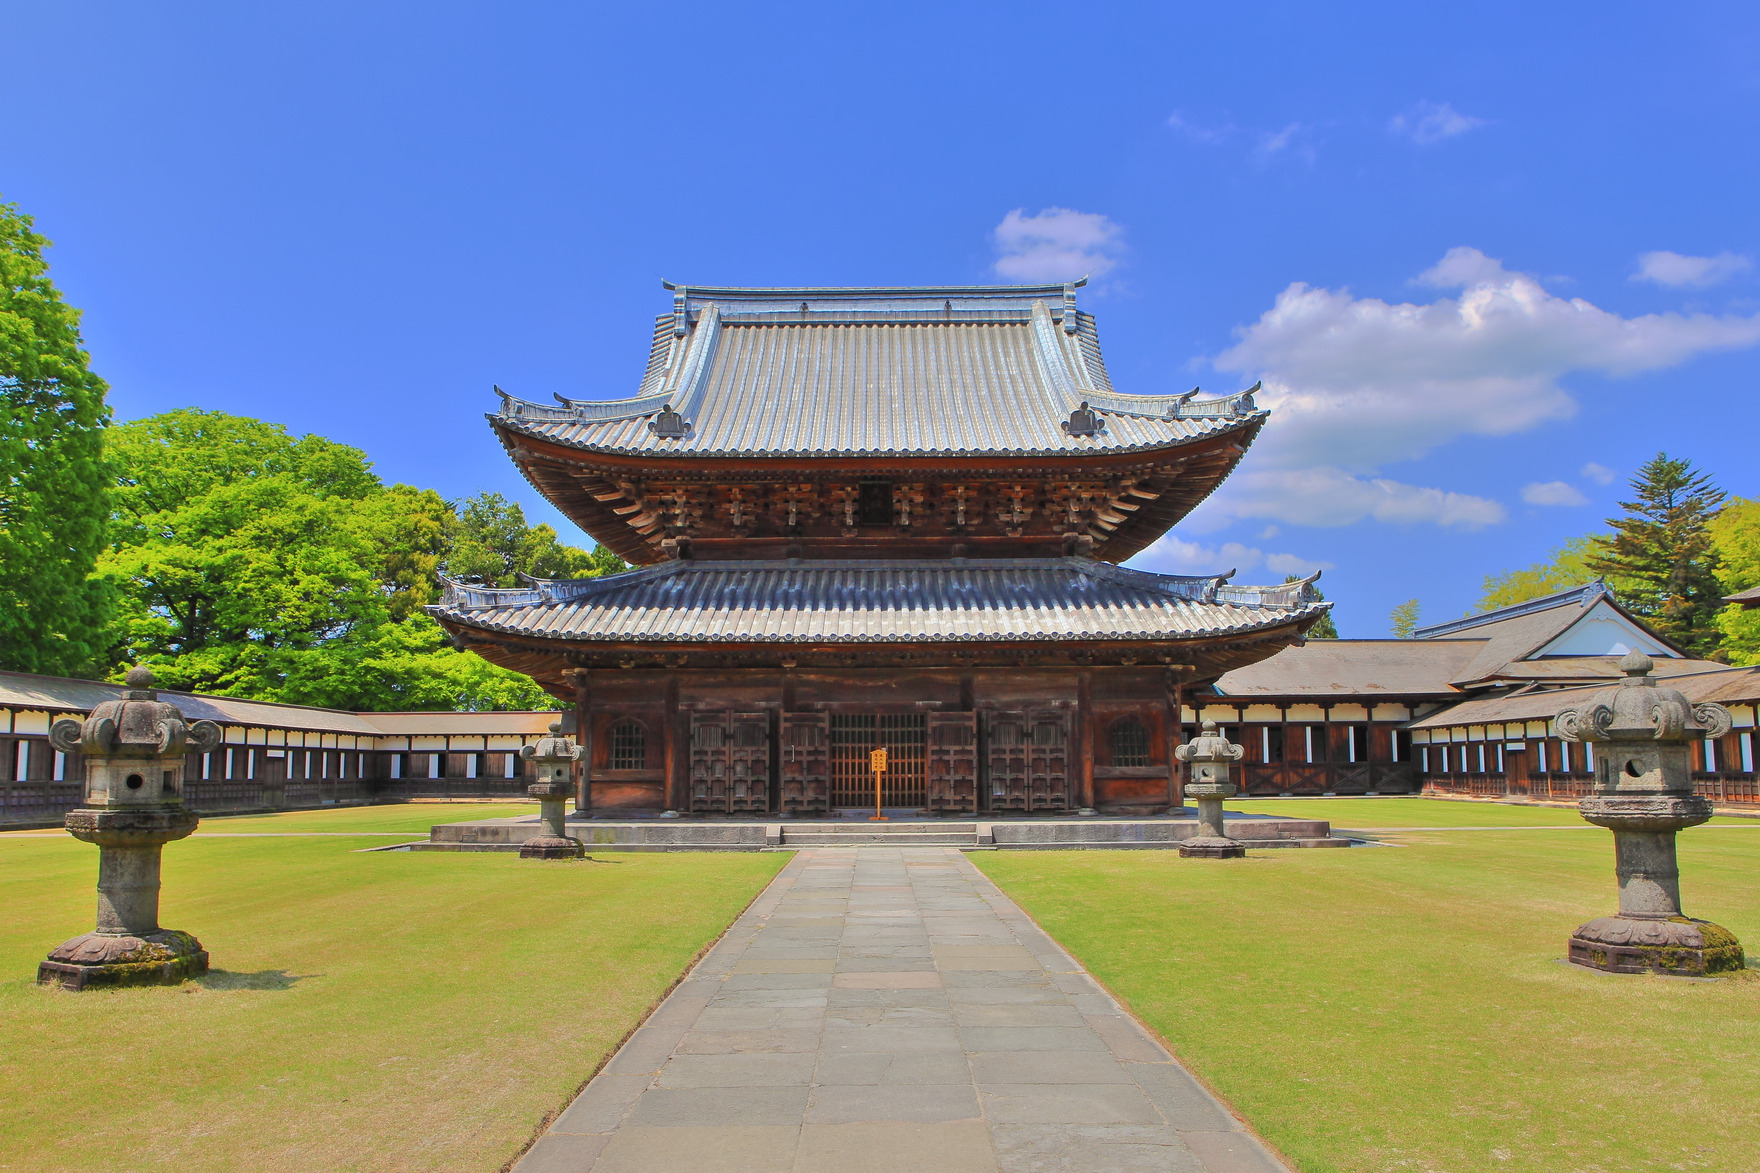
[1644,795]
[555,757]
[134,753]
[1210,755]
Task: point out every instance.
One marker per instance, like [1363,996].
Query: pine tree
[1662,553]
[53,489]
[1325,628]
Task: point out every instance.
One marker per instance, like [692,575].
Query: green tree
[1325,628]
[1565,567]
[1735,534]
[250,562]
[53,501]
[493,545]
[1404,619]
[1661,552]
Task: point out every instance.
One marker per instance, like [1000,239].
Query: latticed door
[1027,753]
[730,762]
[855,735]
[953,762]
[806,763]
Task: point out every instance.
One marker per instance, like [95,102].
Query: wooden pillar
[674,790]
[1175,735]
[583,735]
[1085,726]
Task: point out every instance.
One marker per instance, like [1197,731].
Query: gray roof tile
[851,602]
[878,372]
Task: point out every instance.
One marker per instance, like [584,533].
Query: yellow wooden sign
[877,761]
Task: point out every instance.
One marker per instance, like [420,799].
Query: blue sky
[1486,258]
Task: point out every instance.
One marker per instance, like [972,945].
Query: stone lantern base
[161,958]
[553,847]
[1204,847]
[1679,946]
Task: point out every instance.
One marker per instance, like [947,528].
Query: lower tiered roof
[1015,601]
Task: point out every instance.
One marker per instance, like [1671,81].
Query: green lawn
[1372,813]
[1401,1008]
[368,1011]
[415,817]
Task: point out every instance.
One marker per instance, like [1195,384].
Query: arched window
[1130,743]
[629,746]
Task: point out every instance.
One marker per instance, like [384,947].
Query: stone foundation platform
[1029,834]
[164,958]
[1679,946]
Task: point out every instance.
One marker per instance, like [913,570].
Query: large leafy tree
[1662,554]
[1735,534]
[52,490]
[493,545]
[250,562]
[1566,567]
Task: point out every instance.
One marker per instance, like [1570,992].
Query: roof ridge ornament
[1083,421]
[1071,322]
[668,424]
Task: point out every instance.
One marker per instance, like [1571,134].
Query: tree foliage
[1325,628]
[1404,619]
[52,490]
[250,562]
[1566,567]
[1735,534]
[493,545]
[1662,554]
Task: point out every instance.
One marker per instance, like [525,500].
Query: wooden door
[1005,758]
[749,764]
[806,763]
[709,752]
[953,763]
[1515,768]
[1048,761]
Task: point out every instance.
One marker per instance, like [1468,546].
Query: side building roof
[1356,669]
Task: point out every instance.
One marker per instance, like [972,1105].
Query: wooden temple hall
[866,518]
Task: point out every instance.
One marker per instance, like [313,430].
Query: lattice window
[1130,743]
[629,746]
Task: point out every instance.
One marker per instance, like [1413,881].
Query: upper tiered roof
[930,372]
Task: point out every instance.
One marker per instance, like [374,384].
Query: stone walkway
[889,1009]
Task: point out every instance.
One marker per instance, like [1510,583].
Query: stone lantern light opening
[1644,795]
[554,757]
[133,751]
[1211,757]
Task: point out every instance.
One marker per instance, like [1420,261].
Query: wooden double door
[939,762]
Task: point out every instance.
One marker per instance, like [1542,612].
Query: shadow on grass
[263,979]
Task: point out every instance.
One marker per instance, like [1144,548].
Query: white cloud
[1431,122]
[1552,493]
[1293,138]
[1058,244]
[1356,384]
[1198,132]
[1172,555]
[1677,271]
[1599,473]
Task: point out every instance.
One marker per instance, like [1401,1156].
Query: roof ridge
[1581,595]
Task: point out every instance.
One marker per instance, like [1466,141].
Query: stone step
[815,838]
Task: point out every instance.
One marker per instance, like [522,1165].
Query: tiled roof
[928,372]
[848,602]
[60,694]
[1747,598]
[1517,632]
[1713,682]
[1350,668]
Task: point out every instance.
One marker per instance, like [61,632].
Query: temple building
[878,518]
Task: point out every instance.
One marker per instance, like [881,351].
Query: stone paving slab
[890,1009]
